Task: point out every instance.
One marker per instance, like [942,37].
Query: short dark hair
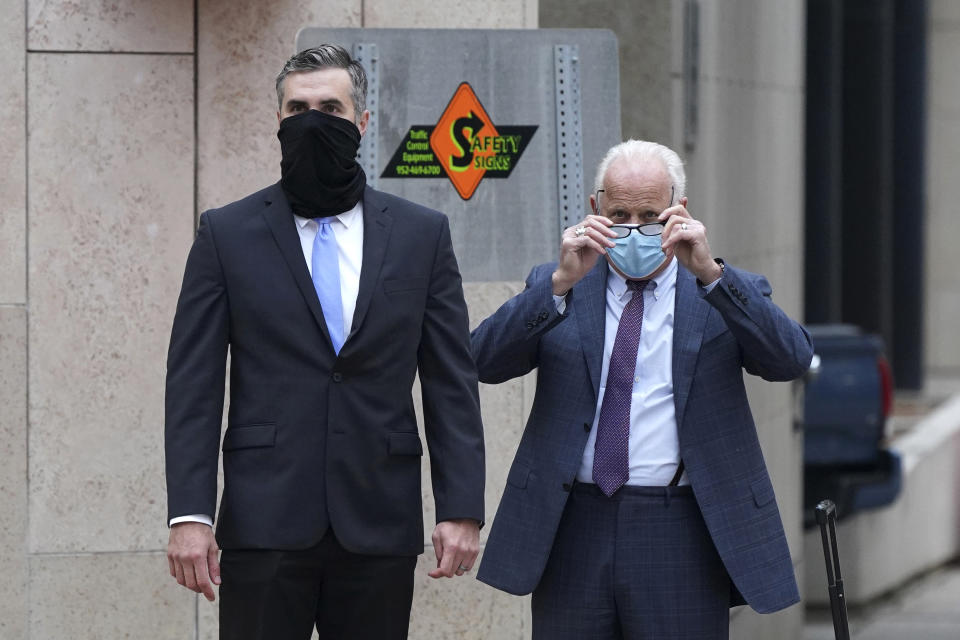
[324,57]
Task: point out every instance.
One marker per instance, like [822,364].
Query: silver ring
[579,231]
[462,568]
[683,225]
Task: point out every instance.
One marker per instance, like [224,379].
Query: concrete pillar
[942,282]
[745,176]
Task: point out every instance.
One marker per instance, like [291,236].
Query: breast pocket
[404,285]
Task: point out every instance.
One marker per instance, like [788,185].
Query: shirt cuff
[197,517]
[707,288]
[561,303]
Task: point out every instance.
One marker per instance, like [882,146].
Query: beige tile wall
[13,214]
[108,25]
[108,596]
[13,324]
[13,472]
[111,190]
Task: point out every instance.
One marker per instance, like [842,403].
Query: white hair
[639,150]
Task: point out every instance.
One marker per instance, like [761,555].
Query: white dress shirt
[348,230]
[654,452]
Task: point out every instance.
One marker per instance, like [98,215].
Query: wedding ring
[683,225]
[462,568]
[579,231]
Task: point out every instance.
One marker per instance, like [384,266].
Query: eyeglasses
[649,229]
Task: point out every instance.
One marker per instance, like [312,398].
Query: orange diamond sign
[464,146]
[457,141]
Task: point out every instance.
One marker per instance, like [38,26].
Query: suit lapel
[589,302]
[282,225]
[690,316]
[377,222]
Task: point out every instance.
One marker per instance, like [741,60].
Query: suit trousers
[638,565]
[267,594]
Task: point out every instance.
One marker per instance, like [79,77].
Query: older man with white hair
[638,504]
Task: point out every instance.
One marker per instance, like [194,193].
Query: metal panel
[366,54]
[508,224]
[569,134]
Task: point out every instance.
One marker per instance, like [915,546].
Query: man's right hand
[579,251]
[192,554]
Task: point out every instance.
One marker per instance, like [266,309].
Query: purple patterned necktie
[611,466]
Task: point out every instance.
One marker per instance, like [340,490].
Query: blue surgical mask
[636,256]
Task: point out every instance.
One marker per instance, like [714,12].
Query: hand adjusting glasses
[649,229]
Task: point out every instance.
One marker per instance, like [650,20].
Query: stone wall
[119,122]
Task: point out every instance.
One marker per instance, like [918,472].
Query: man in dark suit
[330,297]
[638,504]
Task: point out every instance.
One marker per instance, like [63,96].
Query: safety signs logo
[456,140]
[464,144]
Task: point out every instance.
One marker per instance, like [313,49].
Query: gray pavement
[926,608]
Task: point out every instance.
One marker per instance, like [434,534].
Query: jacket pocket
[397,285]
[404,443]
[762,491]
[250,436]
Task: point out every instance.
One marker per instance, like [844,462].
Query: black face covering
[319,169]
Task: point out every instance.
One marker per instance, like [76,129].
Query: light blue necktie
[326,280]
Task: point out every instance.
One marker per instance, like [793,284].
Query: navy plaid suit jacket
[715,337]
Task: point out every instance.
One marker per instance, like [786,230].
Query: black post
[909,193]
[868,190]
[824,162]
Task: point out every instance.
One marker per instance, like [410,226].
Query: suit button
[567,486]
[586,427]
[529,325]
[337,376]
[542,316]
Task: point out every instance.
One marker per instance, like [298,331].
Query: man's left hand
[686,238]
[456,543]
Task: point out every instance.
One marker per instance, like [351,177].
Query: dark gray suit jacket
[313,439]
[715,336]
